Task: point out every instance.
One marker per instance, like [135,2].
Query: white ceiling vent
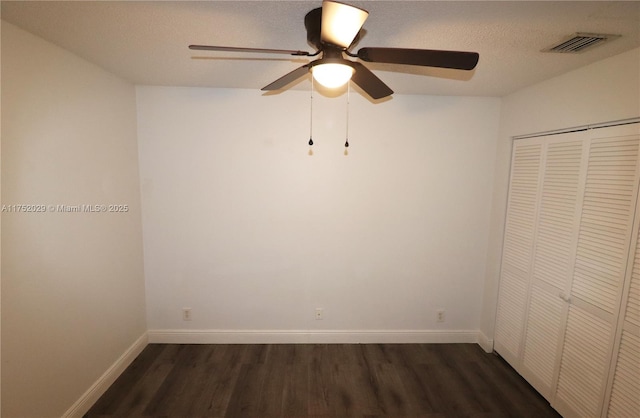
[579,42]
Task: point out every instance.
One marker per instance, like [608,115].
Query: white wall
[605,91]
[72,283]
[244,227]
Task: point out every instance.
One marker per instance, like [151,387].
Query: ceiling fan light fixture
[332,75]
[341,22]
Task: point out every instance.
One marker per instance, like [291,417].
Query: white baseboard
[216,336]
[100,386]
[485,342]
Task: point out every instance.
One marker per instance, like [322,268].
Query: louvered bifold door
[623,395]
[606,224]
[553,258]
[517,252]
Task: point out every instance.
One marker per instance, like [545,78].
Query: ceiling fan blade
[288,78]
[237,49]
[369,82]
[425,57]
[341,23]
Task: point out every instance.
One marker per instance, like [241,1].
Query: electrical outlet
[319,314]
[186,314]
[440,315]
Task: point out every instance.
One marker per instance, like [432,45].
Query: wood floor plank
[451,395]
[419,393]
[136,394]
[217,380]
[320,380]
[270,398]
[174,396]
[116,396]
[393,399]
[296,390]
[246,393]
[358,391]
[320,386]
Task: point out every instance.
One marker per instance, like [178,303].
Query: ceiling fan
[335,27]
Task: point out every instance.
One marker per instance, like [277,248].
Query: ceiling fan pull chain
[311,120]
[346,142]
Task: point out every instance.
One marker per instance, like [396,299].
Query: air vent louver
[579,42]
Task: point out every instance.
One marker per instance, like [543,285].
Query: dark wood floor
[320,380]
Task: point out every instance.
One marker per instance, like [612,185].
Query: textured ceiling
[146,42]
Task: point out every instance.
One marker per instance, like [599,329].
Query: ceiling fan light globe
[332,75]
[341,23]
